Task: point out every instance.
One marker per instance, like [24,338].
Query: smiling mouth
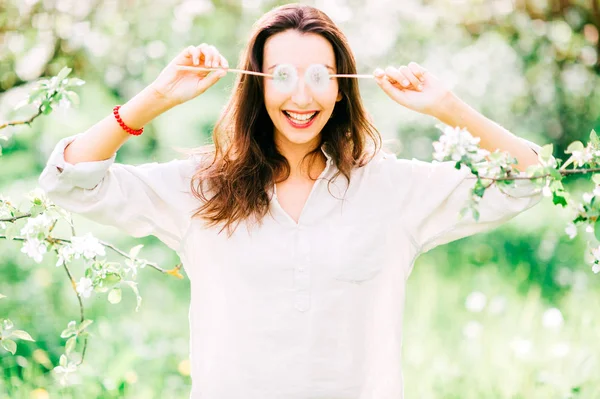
[300,119]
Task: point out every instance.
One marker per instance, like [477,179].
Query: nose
[302,95]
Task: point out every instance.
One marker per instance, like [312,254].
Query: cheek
[273,98]
[329,97]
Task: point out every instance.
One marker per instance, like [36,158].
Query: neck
[301,168]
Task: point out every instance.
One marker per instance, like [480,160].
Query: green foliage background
[530,65]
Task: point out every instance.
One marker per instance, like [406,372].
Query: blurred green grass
[531,69]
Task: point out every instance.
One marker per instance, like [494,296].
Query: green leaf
[555,174]
[534,170]
[594,138]
[63,360]
[35,210]
[133,252]
[63,73]
[36,94]
[85,324]
[75,82]
[479,188]
[596,178]
[22,335]
[574,146]
[46,107]
[559,199]
[72,97]
[7,324]
[114,296]
[111,279]
[11,231]
[133,286]
[9,345]
[70,345]
[597,229]
[68,332]
[546,151]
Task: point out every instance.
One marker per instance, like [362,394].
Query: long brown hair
[245,161]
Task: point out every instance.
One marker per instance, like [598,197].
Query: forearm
[456,112]
[104,138]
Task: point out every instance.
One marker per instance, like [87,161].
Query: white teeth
[300,117]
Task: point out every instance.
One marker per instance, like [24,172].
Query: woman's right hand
[178,86]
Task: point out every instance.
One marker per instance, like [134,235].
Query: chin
[301,137]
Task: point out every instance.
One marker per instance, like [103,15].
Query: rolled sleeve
[148,199]
[59,175]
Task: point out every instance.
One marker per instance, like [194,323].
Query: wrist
[143,108]
[449,110]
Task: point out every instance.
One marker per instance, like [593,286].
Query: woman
[297,233]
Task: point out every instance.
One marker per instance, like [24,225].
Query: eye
[285,77]
[317,76]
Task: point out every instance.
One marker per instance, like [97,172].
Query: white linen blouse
[307,310]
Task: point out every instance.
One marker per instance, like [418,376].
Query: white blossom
[596,268]
[35,249]
[39,194]
[547,191]
[596,254]
[85,287]
[456,143]
[475,302]
[88,246]
[587,197]
[64,372]
[66,253]
[581,157]
[571,230]
[552,318]
[38,225]
[4,213]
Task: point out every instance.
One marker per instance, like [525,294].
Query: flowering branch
[100,275]
[458,145]
[23,122]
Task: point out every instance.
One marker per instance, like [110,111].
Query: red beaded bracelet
[123,125]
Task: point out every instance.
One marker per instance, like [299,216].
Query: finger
[389,88]
[396,77]
[193,53]
[417,70]
[212,56]
[211,79]
[407,73]
[224,62]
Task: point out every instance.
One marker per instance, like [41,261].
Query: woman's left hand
[413,87]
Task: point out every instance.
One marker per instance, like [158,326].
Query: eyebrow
[273,66]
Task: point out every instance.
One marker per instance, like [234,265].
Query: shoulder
[385,162]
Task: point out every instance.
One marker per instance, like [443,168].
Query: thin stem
[338,75]
[349,75]
[562,172]
[15,218]
[190,68]
[53,240]
[23,122]
[81,313]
